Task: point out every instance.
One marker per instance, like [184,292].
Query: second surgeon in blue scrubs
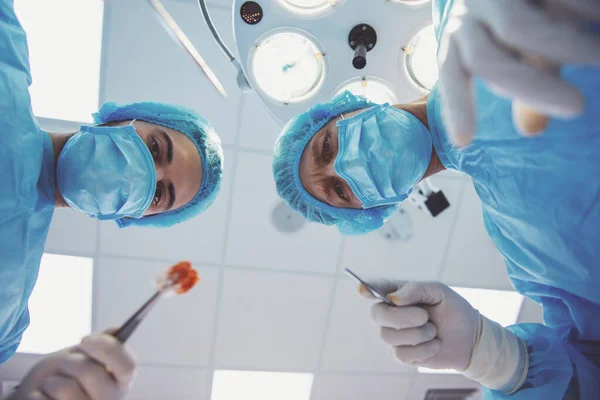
[349,162]
[144,164]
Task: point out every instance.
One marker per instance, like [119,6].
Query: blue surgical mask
[107,172]
[383,153]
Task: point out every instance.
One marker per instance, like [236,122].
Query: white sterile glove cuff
[500,360]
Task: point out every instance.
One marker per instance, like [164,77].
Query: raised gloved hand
[517,47]
[434,327]
[100,368]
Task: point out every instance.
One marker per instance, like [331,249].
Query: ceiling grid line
[104,53]
[95,281]
[332,294]
[451,233]
[172,366]
[373,373]
[248,149]
[215,330]
[210,3]
[232,175]
[221,272]
[205,264]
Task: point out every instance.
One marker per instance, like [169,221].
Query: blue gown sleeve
[558,367]
[15,75]
[10,343]
[21,149]
[564,354]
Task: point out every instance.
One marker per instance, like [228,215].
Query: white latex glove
[435,327]
[100,368]
[517,47]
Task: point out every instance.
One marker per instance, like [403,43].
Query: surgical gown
[26,184]
[541,205]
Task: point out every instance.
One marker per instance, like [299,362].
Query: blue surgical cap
[201,133]
[286,170]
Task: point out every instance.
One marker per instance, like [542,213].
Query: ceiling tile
[473,259]
[356,387]
[271,321]
[424,382]
[63,240]
[199,239]
[254,241]
[261,385]
[143,63]
[531,312]
[353,343]
[171,383]
[177,332]
[420,258]
[258,129]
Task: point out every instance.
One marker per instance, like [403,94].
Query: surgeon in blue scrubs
[144,164]
[349,163]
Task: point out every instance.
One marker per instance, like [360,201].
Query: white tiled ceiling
[253,239]
[351,387]
[267,301]
[271,321]
[258,129]
[472,259]
[352,342]
[419,387]
[172,383]
[59,241]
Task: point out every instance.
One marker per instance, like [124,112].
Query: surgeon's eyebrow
[327,196]
[316,148]
[169,143]
[171,196]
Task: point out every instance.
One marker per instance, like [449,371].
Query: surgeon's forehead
[331,124]
[327,125]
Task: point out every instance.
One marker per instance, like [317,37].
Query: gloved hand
[435,327]
[517,47]
[100,368]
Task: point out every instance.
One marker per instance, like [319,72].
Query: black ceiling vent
[450,394]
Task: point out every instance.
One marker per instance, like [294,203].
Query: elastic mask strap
[355,117]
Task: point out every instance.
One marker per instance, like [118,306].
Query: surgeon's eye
[326,148]
[157,195]
[154,149]
[339,190]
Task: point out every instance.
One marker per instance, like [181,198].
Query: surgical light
[292,62]
[288,67]
[421,63]
[412,2]
[376,90]
[310,8]
[251,12]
